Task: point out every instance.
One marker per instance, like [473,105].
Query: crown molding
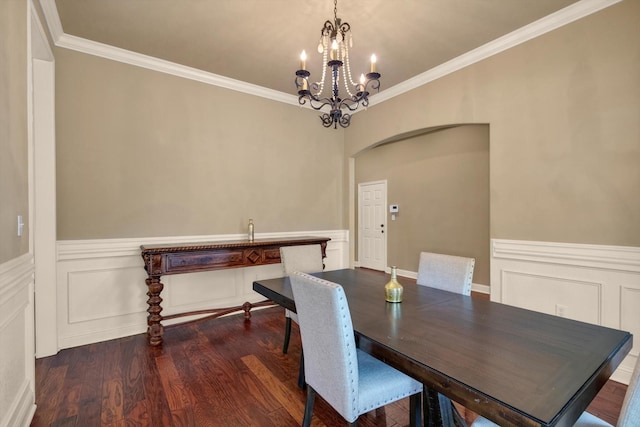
[542,26]
[50,11]
[149,62]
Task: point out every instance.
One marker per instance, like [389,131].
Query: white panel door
[372,225]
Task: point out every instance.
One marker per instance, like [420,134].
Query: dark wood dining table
[513,366]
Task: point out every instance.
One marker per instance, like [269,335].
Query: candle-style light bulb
[303,60]
[334,49]
[362,80]
[373,63]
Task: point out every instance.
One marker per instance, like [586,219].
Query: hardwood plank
[112,410]
[134,406]
[53,388]
[285,395]
[90,372]
[112,401]
[174,389]
[71,421]
[156,402]
[262,396]
[183,418]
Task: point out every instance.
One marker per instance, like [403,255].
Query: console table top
[222,244]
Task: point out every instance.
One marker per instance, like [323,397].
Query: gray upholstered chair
[629,415]
[454,274]
[447,272]
[350,380]
[307,259]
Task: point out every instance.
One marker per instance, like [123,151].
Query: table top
[514,366]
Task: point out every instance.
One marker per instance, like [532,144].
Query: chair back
[448,272]
[630,413]
[304,258]
[330,357]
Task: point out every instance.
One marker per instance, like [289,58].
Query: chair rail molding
[598,284]
[102,295]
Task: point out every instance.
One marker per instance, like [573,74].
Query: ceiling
[259,41]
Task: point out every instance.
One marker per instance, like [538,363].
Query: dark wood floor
[220,372]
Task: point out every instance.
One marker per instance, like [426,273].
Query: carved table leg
[154,327]
[247,306]
[247,309]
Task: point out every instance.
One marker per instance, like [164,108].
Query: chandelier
[335,41]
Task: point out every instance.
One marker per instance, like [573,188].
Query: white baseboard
[22,409]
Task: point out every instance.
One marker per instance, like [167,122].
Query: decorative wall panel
[17,360]
[101,290]
[591,283]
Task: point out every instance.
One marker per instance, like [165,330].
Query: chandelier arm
[327,29]
[315,102]
[327,119]
[345,120]
[353,103]
[372,83]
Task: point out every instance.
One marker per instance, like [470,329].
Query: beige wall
[141,153]
[14,194]
[440,180]
[146,154]
[564,116]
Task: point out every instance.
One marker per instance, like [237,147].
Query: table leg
[154,327]
[438,410]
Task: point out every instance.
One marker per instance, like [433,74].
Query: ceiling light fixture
[335,41]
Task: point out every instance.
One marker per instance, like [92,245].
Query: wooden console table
[179,258]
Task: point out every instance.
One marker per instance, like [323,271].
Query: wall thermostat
[394,209]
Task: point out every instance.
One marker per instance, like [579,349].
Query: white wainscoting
[101,290]
[17,360]
[591,283]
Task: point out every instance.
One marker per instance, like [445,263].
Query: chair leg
[415,417]
[308,407]
[301,381]
[287,335]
